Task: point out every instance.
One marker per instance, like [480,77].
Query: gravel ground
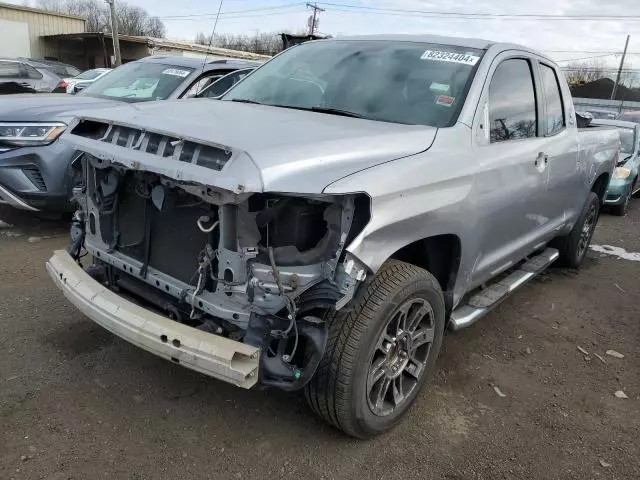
[79,403]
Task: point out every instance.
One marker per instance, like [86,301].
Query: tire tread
[328,392]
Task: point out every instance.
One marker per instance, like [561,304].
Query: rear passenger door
[511,179]
[11,72]
[560,147]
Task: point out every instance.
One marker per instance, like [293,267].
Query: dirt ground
[78,403]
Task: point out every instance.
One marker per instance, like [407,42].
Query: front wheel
[621,210]
[380,352]
[573,247]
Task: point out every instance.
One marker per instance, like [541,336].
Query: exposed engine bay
[258,268]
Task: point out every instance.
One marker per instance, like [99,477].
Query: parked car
[318,226]
[624,182]
[36,75]
[602,113]
[79,82]
[630,116]
[34,164]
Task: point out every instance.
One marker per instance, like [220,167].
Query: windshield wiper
[246,100]
[329,110]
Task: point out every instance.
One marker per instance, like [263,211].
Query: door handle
[541,158]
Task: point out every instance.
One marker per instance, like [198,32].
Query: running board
[481,303]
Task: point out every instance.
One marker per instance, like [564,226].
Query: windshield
[390,81]
[89,75]
[627,140]
[139,82]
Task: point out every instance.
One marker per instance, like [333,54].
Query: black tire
[574,246]
[621,210]
[340,391]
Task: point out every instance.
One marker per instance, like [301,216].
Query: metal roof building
[95,49]
[22,29]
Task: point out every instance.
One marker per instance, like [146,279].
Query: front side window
[202,83]
[223,84]
[139,82]
[553,100]
[512,102]
[32,73]
[389,81]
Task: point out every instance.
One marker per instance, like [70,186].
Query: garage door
[18,33]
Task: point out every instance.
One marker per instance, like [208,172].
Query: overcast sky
[576,36]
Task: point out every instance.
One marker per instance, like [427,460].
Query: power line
[587,58]
[583,51]
[230,17]
[222,14]
[624,70]
[359,9]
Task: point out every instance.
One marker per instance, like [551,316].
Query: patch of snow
[616,252]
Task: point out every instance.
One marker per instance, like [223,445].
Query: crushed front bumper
[617,192]
[216,356]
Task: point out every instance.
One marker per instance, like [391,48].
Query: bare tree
[585,72]
[202,39]
[155,28]
[266,43]
[131,20]
[629,77]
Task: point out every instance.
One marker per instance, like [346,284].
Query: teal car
[624,182]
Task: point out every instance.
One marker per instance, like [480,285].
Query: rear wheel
[380,352]
[573,247]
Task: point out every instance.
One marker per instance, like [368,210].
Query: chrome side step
[481,303]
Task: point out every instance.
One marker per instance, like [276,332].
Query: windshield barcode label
[452,57]
[176,72]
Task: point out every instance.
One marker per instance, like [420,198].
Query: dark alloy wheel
[574,246]
[381,350]
[400,356]
[588,228]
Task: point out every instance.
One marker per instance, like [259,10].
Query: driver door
[511,177]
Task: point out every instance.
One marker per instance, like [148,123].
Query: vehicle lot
[78,403]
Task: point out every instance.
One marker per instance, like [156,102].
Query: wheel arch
[440,255]
[599,187]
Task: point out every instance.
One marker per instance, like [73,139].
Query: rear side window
[10,70]
[512,102]
[553,101]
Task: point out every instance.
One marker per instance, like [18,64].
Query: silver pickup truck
[320,225]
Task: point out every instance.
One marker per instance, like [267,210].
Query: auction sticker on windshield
[176,72]
[453,57]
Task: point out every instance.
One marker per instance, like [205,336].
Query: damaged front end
[258,268]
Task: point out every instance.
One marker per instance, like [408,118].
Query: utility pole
[114,32]
[615,85]
[313,21]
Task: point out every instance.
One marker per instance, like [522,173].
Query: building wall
[39,23]
[18,32]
